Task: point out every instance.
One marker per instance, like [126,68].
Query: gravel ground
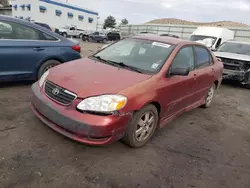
[204,148]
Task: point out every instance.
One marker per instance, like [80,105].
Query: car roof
[164,39]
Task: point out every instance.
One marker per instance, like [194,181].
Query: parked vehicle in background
[218,35]
[98,37]
[235,56]
[43,25]
[71,31]
[114,36]
[127,90]
[28,50]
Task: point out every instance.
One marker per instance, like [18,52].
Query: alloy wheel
[145,126]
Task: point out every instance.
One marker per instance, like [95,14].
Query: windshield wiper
[118,64]
[121,64]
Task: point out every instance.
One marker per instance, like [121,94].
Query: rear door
[22,48]
[205,71]
[179,90]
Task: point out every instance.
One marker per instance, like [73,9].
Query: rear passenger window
[203,57]
[16,31]
[184,59]
[45,36]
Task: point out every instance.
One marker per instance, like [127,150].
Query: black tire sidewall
[129,137]
[44,65]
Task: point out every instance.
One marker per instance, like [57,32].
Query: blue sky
[141,11]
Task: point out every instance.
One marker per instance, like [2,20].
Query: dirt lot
[205,148]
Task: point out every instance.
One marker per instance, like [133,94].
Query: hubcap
[145,126]
[210,95]
[47,68]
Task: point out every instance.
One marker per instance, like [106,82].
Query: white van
[216,36]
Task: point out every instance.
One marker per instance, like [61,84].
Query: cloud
[141,11]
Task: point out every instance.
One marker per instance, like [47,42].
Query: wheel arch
[45,60]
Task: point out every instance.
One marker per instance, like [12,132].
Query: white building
[55,13]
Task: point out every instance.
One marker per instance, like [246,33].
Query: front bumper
[84,128]
[234,74]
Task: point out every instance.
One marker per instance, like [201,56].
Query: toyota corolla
[127,90]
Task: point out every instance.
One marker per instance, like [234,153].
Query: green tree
[109,22]
[124,21]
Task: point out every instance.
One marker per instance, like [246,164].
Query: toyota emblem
[55,91]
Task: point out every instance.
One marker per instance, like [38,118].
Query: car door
[179,90]
[204,71]
[20,50]
[71,31]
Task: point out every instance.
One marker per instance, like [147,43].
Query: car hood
[87,77]
[241,57]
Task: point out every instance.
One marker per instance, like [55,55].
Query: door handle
[38,49]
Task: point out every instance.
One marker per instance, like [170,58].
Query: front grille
[232,64]
[59,94]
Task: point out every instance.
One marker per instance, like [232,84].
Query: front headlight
[103,103]
[43,78]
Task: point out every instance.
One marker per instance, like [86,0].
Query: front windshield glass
[144,55]
[201,37]
[238,48]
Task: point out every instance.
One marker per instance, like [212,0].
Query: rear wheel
[64,35]
[46,66]
[142,127]
[210,96]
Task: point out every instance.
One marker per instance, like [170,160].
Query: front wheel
[80,36]
[142,127]
[210,96]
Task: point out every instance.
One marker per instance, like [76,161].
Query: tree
[109,22]
[4,2]
[124,21]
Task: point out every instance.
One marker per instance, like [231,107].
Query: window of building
[91,20]
[43,9]
[58,13]
[15,7]
[22,7]
[70,15]
[28,6]
[80,17]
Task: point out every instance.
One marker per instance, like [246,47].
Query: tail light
[77,48]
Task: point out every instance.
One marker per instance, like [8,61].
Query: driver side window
[184,59]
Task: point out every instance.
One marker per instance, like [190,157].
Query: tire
[64,35]
[210,96]
[80,36]
[140,125]
[46,66]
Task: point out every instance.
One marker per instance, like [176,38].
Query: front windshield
[201,37]
[144,55]
[238,48]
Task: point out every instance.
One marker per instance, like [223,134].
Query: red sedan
[127,90]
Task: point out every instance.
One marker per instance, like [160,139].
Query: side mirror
[179,71]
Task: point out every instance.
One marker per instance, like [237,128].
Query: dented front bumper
[84,128]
